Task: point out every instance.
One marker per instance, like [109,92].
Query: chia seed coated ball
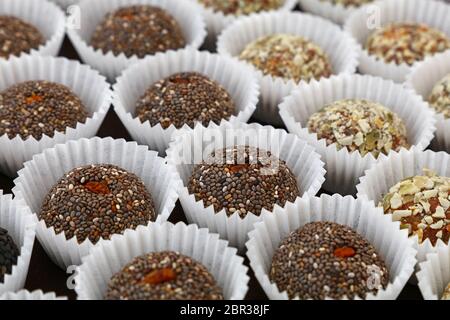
[8,254]
[446,295]
[406,42]
[243,179]
[35,108]
[17,37]
[289,57]
[242,7]
[327,260]
[349,3]
[163,275]
[359,125]
[440,97]
[422,205]
[138,30]
[185,98]
[97,201]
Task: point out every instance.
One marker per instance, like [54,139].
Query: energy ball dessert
[422,205]
[406,43]
[349,3]
[97,201]
[243,180]
[138,30]
[446,295]
[327,260]
[288,56]
[242,7]
[440,97]
[185,98]
[17,37]
[359,125]
[163,276]
[37,108]
[8,254]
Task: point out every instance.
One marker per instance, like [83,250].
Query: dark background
[45,275]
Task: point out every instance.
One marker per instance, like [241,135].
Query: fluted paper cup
[189,148]
[377,181]
[86,83]
[36,12]
[236,77]
[432,13]
[110,257]
[344,167]
[187,14]
[423,77]
[46,169]
[27,295]
[16,218]
[434,274]
[391,243]
[65,3]
[341,49]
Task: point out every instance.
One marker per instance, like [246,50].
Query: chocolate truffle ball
[422,205]
[185,98]
[359,125]
[440,97]
[327,260]
[97,201]
[138,30]
[17,37]
[446,295]
[8,254]
[242,180]
[163,275]
[35,108]
[406,42]
[288,56]
[349,3]
[242,7]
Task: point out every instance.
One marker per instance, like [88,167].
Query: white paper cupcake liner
[423,77]
[432,13]
[434,274]
[65,3]
[86,83]
[391,243]
[46,169]
[27,295]
[398,166]
[342,50]
[187,14]
[189,148]
[36,12]
[236,77]
[16,218]
[107,259]
[217,21]
[344,167]
[337,13]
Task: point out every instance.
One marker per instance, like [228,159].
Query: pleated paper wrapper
[337,13]
[434,274]
[27,295]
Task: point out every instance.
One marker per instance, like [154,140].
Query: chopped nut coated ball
[8,254]
[242,7]
[440,97]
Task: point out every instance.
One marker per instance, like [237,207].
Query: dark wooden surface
[45,275]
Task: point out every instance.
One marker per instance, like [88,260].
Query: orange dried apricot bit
[34,98]
[97,187]
[344,252]
[159,276]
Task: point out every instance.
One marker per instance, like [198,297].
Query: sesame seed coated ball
[185,98]
[35,108]
[349,3]
[446,295]
[97,201]
[242,7]
[17,37]
[138,30]
[243,179]
[288,56]
[422,205]
[327,260]
[440,97]
[163,275]
[8,254]
[359,125]
[406,42]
